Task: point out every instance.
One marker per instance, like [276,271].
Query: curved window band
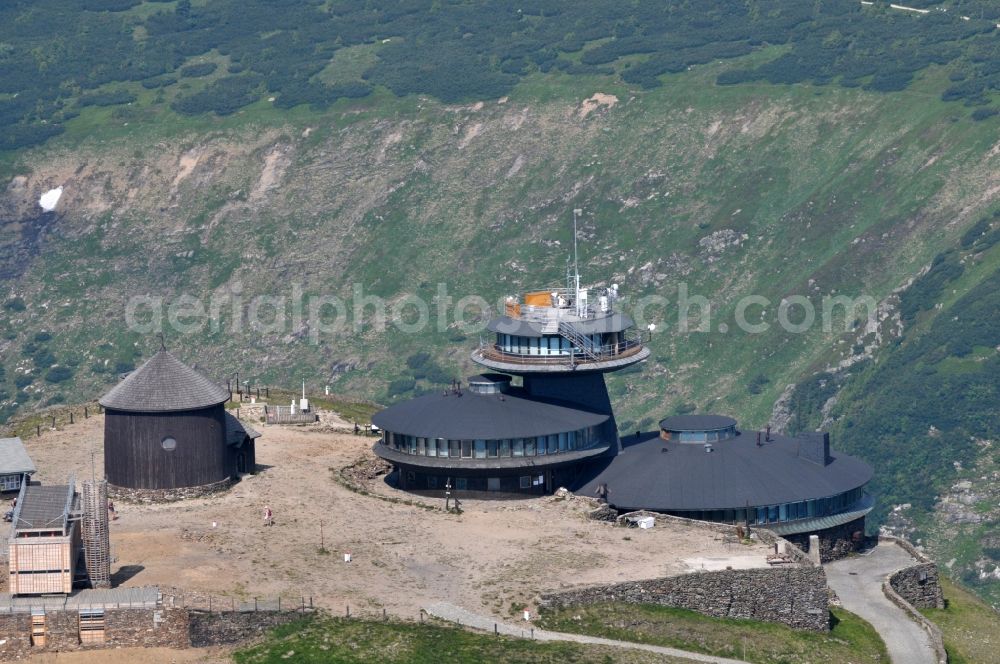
[567,441]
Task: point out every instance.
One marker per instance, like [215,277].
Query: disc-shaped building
[166,431]
[703,467]
[494,438]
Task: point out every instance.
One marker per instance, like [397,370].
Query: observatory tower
[492,438]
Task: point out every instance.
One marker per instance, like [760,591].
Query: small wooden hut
[45,542]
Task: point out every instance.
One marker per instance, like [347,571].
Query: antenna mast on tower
[576,267]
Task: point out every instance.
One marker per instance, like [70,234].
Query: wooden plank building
[45,542]
[166,427]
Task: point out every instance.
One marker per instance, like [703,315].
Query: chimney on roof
[815,446]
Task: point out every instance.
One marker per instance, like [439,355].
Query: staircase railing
[580,340]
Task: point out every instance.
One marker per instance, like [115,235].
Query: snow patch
[50,199]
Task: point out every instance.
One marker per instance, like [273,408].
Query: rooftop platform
[44,507]
[489,355]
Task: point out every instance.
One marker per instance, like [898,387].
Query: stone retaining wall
[797,597]
[918,583]
[834,543]
[232,627]
[919,586]
[123,628]
[138,628]
[167,495]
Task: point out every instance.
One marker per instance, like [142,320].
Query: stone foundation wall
[123,628]
[796,597]
[834,543]
[138,628]
[919,586]
[15,636]
[232,627]
[167,495]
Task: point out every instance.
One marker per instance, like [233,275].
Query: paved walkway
[459,615]
[858,582]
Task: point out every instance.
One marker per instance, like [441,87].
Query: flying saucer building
[166,432]
[703,467]
[493,438]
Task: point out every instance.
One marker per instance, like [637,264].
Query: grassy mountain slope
[929,403]
[753,188]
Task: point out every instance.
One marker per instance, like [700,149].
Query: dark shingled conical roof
[164,384]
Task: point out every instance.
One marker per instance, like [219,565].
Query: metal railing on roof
[604,353]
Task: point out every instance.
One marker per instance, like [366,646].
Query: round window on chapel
[169,444]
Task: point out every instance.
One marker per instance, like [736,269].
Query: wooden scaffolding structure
[96,537]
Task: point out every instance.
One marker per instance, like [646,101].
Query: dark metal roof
[543,461]
[14,458]
[45,507]
[164,384]
[616,322]
[515,326]
[696,422]
[487,416]
[237,432]
[736,473]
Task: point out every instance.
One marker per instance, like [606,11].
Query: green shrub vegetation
[463,49]
[58,374]
[851,639]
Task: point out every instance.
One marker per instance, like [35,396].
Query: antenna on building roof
[576,264]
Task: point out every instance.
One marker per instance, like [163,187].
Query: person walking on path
[268,516]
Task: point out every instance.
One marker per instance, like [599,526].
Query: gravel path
[456,614]
[858,583]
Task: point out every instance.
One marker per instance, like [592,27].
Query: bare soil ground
[494,557]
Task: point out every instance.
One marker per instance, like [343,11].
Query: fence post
[38,430]
[209,603]
[86,412]
[71,417]
[279,602]
[255,604]
[496,630]
[348,610]
[310,602]
[234,604]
